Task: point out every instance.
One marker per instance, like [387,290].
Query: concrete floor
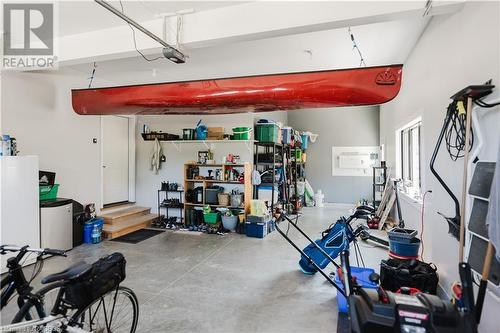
[231,283]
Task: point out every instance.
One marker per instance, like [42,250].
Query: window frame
[409,157]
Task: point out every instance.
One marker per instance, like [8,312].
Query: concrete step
[127,225]
[116,217]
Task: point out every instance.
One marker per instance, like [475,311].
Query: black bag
[105,275]
[395,274]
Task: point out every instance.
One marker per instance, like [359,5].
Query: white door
[115,159]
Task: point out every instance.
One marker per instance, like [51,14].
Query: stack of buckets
[403,243]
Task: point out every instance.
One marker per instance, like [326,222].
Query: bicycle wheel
[34,310]
[115,312]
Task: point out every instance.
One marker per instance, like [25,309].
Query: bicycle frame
[55,322]
[9,287]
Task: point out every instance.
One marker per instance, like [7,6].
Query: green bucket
[241,133]
[211,218]
[48,192]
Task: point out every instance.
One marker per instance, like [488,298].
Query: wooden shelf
[247,184]
[211,141]
[224,182]
[212,205]
[214,181]
[217,165]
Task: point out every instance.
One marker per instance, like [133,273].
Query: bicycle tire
[29,305]
[78,319]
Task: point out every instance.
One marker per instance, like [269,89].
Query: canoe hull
[321,89]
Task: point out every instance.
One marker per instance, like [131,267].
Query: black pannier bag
[395,274]
[105,276]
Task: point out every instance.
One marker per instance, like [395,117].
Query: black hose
[449,116]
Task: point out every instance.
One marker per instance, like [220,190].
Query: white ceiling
[381,44]
[83,16]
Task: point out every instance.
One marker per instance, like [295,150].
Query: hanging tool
[459,141]
[484,281]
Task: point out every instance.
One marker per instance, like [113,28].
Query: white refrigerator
[19,204]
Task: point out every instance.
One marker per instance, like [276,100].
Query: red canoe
[321,89]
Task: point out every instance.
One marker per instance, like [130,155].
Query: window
[408,157]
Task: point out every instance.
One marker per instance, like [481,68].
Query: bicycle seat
[68,274]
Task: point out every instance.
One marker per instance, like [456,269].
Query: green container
[241,133]
[266,132]
[48,192]
[211,218]
[298,155]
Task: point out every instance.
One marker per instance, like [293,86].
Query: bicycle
[89,297]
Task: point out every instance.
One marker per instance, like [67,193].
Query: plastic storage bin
[89,226]
[286,135]
[257,230]
[267,132]
[201,132]
[362,276]
[305,140]
[229,222]
[212,194]
[298,155]
[257,219]
[401,235]
[211,218]
[241,133]
[48,192]
[404,249]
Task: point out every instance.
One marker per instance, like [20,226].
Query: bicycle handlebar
[41,251]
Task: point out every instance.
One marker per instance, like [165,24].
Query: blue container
[286,135]
[305,141]
[405,249]
[201,132]
[362,276]
[89,226]
[257,230]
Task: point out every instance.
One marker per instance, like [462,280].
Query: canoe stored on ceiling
[320,89]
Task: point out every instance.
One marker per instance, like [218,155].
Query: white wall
[347,126]
[454,51]
[148,182]
[36,110]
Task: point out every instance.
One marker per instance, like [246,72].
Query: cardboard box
[215,133]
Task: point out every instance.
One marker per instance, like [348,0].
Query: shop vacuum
[379,311]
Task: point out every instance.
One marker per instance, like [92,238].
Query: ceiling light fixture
[169,52]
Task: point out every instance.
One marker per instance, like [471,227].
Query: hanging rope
[91,78]
[355,47]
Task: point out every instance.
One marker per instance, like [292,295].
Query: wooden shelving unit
[190,184]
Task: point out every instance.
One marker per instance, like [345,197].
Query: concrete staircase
[119,221]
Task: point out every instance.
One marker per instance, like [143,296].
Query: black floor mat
[137,236]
